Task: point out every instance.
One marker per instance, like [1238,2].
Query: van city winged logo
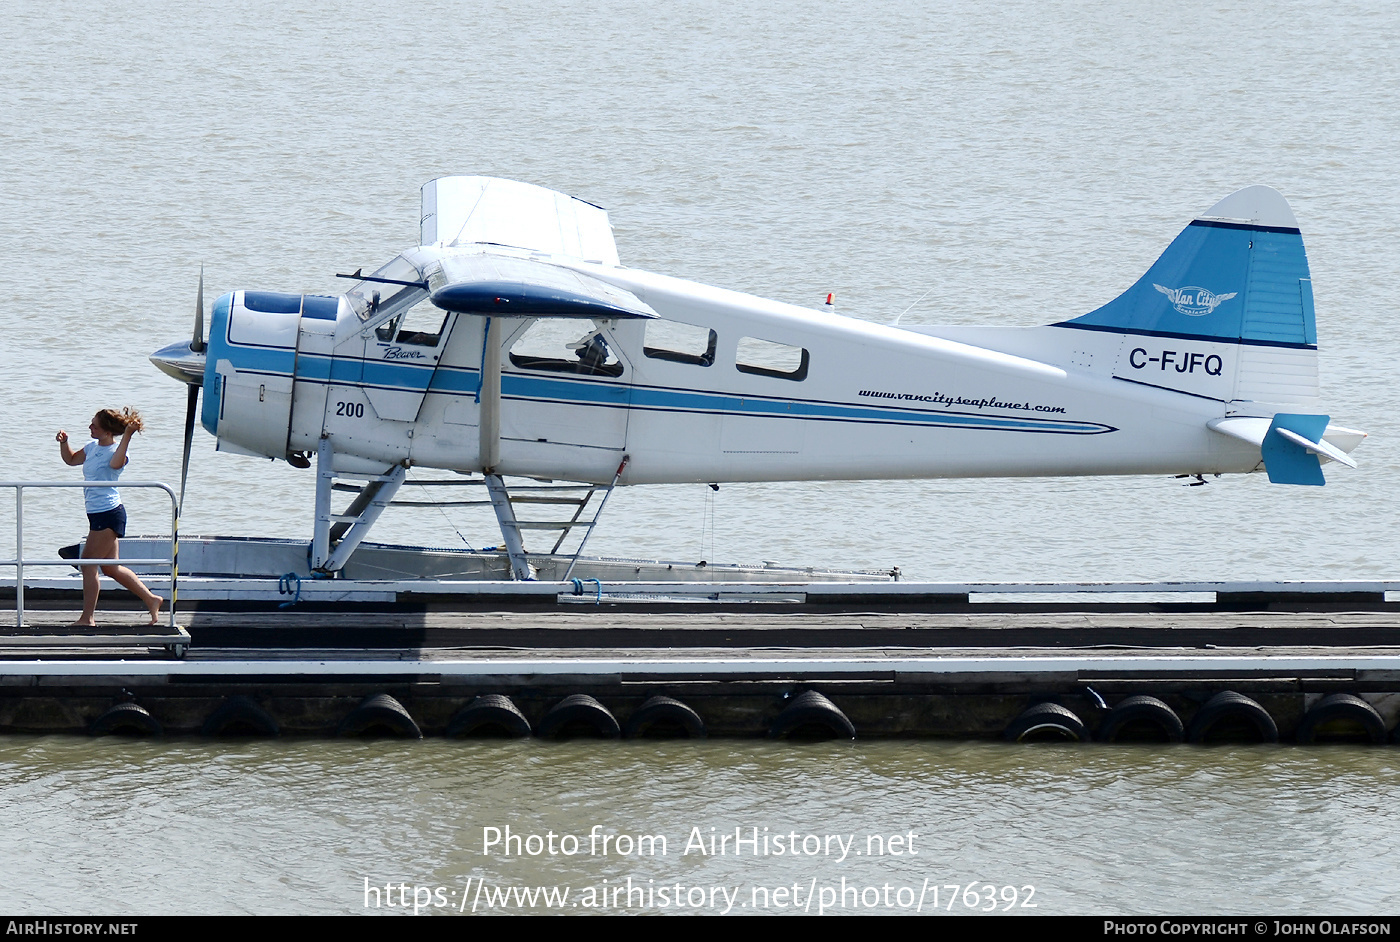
[1193,301]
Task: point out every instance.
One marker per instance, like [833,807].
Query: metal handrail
[19,562]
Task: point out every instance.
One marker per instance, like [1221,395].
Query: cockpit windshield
[376,301]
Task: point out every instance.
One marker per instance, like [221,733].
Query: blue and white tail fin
[1226,313]
[1237,273]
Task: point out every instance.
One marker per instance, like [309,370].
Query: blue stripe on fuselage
[666,399]
[463,381]
[403,377]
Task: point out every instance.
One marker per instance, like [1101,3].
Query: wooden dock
[899,661]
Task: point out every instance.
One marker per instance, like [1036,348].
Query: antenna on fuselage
[895,322]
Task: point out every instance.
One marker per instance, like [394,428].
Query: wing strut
[490,395]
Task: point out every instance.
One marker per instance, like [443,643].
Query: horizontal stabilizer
[1291,444]
[522,287]
[487,210]
[1318,447]
[1344,438]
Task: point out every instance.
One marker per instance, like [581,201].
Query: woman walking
[103,459]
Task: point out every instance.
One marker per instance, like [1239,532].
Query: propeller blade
[191,404]
[197,343]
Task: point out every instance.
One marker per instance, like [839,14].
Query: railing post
[19,557]
[175,509]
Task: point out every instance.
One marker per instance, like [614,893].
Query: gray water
[1024,161]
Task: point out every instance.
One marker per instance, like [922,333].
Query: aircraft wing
[465,210]
[524,287]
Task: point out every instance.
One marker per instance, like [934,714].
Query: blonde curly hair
[116,423]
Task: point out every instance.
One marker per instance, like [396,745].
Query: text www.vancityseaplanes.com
[819,895]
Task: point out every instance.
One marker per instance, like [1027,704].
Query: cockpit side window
[565,345]
[680,343]
[766,358]
[421,325]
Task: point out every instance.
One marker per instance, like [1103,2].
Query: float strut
[365,510]
[588,531]
[346,531]
[510,528]
[321,533]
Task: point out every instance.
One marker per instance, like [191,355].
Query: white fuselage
[864,401]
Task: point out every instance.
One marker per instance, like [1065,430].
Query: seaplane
[513,342]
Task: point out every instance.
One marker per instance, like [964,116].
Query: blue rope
[578,588]
[289,584]
[481,372]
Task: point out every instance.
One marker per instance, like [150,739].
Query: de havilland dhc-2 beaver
[513,342]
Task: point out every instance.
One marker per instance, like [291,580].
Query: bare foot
[154,606]
[83,624]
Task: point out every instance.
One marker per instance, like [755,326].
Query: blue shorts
[114,519]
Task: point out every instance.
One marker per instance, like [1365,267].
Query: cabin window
[421,326]
[565,345]
[766,358]
[680,343]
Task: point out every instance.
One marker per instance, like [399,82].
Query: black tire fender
[129,719]
[237,716]
[1046,722]
[1347,710]
[380,715]
[810,715]
[491,714]
[578,713]
[664,715]
[1231,709]
[1132,714]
